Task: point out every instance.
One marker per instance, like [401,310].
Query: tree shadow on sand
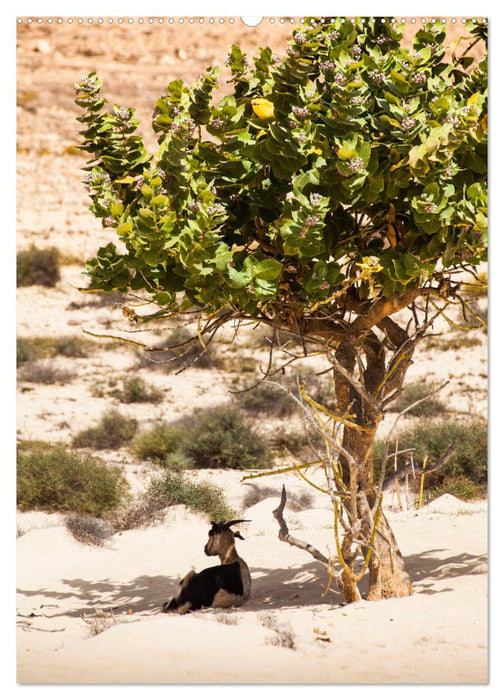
[430,566]
[273,589]
[143,594]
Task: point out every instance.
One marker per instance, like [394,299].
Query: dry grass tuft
[284,634]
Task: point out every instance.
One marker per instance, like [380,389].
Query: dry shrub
[112,432]
[43,372]
[84,528]
[100,621]
[145,510]
[452,341]
[38,266]
[39,347]
[256,494]
[137,390]
[227,618]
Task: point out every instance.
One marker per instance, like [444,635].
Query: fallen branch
[29,628]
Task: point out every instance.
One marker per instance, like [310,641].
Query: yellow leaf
[473,98]
[263,108]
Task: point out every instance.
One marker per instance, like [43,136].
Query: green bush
[468,463]
[220,438]
[55,478]
[38,266]
[157,443]
[414,392]
[211,438]
[112,432]
[173,488]
[296,443]
[459,486]
[136,390]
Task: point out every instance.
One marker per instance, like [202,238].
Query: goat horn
[234,522]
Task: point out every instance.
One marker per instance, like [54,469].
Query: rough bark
[388,577]
[387,572]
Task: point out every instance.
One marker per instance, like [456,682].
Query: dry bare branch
[394,428]
[394,478]
[285,536]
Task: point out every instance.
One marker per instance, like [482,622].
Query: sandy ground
[438,635]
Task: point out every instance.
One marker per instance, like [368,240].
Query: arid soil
[289,630]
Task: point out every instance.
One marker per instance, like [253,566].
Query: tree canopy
[367,180]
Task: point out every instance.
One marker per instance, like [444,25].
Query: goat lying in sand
[219,586]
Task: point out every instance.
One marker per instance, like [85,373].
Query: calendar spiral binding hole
[219,21]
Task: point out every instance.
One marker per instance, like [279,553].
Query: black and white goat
[218,586]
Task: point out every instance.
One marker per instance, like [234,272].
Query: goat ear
[237,534]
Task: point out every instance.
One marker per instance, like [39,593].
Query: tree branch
[285,536]
[401,473]
[381,309]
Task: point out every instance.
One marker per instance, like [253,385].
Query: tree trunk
[388,577]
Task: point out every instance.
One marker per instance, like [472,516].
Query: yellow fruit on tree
[263,108]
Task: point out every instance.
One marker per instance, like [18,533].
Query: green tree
[327,191]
